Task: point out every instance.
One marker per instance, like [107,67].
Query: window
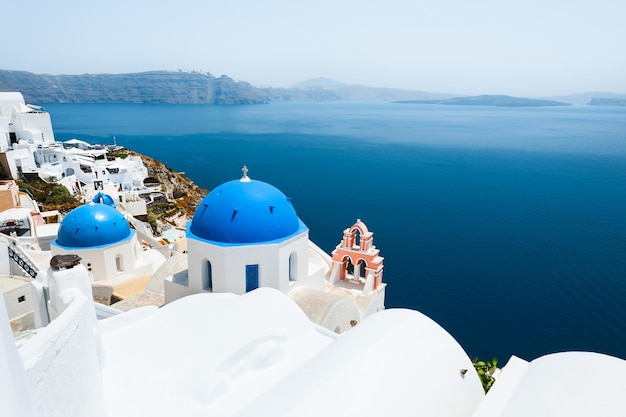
[207,283]
[119,263]
[362,265]
[252,277]
[293,266]
[21,299]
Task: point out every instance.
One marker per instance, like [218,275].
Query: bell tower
[356,262]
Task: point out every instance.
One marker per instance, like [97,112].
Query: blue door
[252,277]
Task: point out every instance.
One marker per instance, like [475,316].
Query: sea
[507,226]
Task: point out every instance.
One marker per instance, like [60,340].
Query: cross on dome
[245,177]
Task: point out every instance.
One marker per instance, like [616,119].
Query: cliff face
[178,189]
[182,196]
[178,87]
[146,87]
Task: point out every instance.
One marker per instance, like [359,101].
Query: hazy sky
[517,47]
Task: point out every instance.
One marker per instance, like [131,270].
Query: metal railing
[22,261]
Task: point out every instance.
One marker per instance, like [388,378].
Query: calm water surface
[506,226]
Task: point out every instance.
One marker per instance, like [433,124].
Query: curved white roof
[395,363]
[572,384]
[257,355]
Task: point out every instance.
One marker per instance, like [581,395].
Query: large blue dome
[92,225]
[245,212]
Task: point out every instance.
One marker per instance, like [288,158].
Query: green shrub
[49,193]
[152,221]
[485,371]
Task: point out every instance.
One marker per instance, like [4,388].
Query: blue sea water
[507,226]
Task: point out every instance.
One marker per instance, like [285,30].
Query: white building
[23,130]
[115,260]
[28,146]
[246,234]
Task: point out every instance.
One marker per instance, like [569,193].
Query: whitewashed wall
[63,363]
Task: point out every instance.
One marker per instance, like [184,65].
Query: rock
[178,193]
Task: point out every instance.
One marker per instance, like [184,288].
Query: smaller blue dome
[92,225]
[245,212]
[103,198]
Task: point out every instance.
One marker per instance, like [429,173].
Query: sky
[532,48]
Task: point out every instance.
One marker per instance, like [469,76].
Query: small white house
[108,248]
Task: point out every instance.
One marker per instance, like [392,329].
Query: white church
[246,234]
[261,322]
[108,247]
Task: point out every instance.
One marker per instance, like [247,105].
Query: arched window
[293,266]
[207,282]
[119,263]
[348,265]
[362,264]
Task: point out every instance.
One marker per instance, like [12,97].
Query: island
[489,100]
[595,101]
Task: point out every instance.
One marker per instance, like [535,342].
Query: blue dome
[245,212]
[103,198]
[92,225]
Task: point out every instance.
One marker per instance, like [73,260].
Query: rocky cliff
[177,187]
[182,196]
[172,87]
[181,87]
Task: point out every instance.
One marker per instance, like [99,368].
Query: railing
[24,264]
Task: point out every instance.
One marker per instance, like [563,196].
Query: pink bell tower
[356,261]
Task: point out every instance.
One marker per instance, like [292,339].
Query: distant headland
[607,102]
[490,100]
[194,87]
